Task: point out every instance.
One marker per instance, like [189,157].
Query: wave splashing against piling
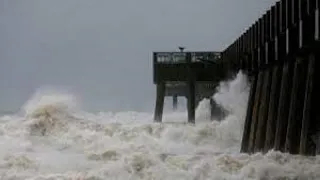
[53,139]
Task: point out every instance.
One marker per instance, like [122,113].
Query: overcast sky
[101,50]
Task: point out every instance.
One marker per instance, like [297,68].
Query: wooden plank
[281,38]
[259,32]
[250,49]
[263,111]
[273,108]
[311,6]
[296,107]
[276,30]
[284,102]
[267,26]
[307,26]
[309,125]
[317,22]
[248,121]
[262,48]
[303,9]
[282,18]
[255,38]
[255,113]
[292,30]
[271,44]
[245,52]
[289,13]
[295,12]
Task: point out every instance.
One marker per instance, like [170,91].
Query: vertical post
[309,119]
[191,92]
[212,108]
[286,80]
[265,88]
[296,107]
[175,102]
[255,113]
[283,110]
[248,121]
[273,107]
[263,111]
[159,102]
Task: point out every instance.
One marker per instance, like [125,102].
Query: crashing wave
[49,111]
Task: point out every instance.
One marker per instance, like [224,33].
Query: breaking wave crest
[49,111]
[233,96]
[54,139]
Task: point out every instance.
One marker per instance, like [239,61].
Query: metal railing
[181,57]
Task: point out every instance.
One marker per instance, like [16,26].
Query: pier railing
[181,57]
[176,66]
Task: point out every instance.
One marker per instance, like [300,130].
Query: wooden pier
[280,53]
[187,74]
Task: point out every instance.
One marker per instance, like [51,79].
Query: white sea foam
[53,139]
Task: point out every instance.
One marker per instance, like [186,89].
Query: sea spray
[128,145]
[51,100]
[233,96]
[48,111]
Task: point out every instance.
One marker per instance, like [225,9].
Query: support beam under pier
[310,120]
[273,107]
[191,85]
[296,107]
[191,102]
[263,111]
[284,103]
[248,121]
[255,113]
[159,102]
[174,102]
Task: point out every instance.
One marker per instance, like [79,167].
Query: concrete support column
[159,102]
[191,102]
[191,86]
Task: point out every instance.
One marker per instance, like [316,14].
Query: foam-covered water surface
[52,138]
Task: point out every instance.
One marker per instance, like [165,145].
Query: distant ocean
[52,138]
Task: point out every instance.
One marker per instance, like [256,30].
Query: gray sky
[98,48]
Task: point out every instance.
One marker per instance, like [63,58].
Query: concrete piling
[159,102]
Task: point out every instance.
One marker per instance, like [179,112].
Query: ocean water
[53,138]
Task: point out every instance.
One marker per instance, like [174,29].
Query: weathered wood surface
[273,108]
[248,121]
